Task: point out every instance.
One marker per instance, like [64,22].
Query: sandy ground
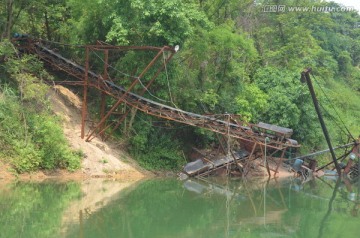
[101,159]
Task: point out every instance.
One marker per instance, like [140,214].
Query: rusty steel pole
[305,75]
[103,95]
[86,84]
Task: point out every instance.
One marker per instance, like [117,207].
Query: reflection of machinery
[251,202]
[352,167]
[351,195]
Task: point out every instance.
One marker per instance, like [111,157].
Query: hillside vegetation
[235,57]
[31,137]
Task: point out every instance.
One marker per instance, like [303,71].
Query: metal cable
[331,104]
[130,76]
[58,43]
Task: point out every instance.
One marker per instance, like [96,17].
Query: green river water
[173,208]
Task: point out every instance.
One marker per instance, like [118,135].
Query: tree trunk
[47,26]
[9,19]
[132,118]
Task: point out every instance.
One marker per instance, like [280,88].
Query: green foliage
[154,149]
[54,149]
[233,58]
[141,22]
[251,102]
[218,64]
[31,141]
[31,137]
[284,90]
[41,207]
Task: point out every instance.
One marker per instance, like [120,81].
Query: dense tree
[235,57]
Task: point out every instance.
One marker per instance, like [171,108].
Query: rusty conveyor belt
[243,132]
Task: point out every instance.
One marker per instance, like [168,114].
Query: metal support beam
[142,93]
[323,151]
[305,75]
[103,94]
[86,84]
[121,99]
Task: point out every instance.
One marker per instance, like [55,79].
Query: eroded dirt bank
[101,159]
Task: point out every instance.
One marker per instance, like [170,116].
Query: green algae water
[173,208]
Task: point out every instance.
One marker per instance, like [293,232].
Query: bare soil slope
[102,159]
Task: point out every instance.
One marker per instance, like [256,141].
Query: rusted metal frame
[228,142]
[125,48]
[142,93]
[214,129]
[107,92]
[235,117]
[84,103]
[341,157]
[280,161]
[131,105]
[255,139]
[246,171]
[221,144]
[266,162]
[250,137]
[213,169]
[54,64]
[208,160]
[74,83]
[105,117]
[121,99]
[223,149]
[351,162]
[64,68]
[103,95]
[209,127]
[159,113]
[305,75]
[162,114]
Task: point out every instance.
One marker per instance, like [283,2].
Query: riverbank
[100,159]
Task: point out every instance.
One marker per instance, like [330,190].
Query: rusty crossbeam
[126,48]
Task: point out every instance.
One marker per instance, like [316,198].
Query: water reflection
[34,209]
[195,208]
[172,208]
[95,194]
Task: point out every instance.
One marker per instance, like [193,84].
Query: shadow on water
[173,208]
[330,208]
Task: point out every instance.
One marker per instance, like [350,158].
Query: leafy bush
[154,149]
[30,140]
[30,136]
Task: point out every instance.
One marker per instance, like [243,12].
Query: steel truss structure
[255,137]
